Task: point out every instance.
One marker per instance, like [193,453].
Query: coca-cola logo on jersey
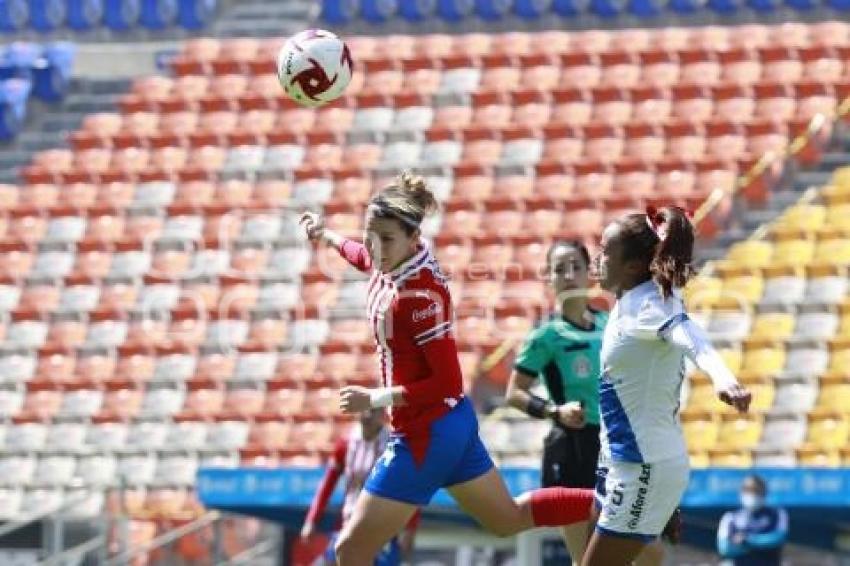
[432,310]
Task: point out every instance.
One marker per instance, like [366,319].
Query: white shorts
[637,500]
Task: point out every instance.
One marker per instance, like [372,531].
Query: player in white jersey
[643,464]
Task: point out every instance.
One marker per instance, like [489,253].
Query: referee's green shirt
[567,357]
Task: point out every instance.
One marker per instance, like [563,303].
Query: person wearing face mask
[754,534]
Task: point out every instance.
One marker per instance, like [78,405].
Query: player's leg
[486,498]
[652,554]
[606,549]
[575,537]
[374,522]
[636,502]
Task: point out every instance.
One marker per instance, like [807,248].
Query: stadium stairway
[788,191]
[47,125]
[262,18]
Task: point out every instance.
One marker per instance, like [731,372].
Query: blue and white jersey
[642,375]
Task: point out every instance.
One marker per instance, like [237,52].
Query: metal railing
[74,554]
[205,520]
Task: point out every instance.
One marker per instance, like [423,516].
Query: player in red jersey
[354,457]
[434,441]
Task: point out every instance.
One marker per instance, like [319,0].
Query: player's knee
[349,551]
[503,528]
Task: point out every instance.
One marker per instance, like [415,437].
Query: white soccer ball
[314,67]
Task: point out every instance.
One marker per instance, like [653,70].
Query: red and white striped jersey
[411,317]
[354,457]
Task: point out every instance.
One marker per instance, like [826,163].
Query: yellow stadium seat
[834,194]
[701,397]
[745,289]
[844,325]
[828,430]
[777,326]
[731,458]
[841,177]
[703,290]
[794,252]
[835,251]
[803,217]
[834,393]
[700,430]
[732,357]
[839,358]
[739,431]
[699,459]
[751,253]
[845,456]
[838,216]
[815,457]
[763,360]
[764,394]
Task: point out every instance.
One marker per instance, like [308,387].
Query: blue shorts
[390,555]
[455,455]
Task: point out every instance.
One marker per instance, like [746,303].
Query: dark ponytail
[664,239]
[671,265]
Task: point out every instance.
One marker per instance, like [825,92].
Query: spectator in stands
[564,351]
[354,457]
[754,534]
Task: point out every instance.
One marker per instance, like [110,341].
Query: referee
[564,351]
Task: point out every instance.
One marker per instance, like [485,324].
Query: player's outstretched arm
[697,346]
[353,252]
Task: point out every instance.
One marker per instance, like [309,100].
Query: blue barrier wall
[818,500]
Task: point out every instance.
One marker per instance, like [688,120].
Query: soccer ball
[314,67]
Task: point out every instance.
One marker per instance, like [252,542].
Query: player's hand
[314,225]
[737,396]
[354,399]
[307,530]
[571,415]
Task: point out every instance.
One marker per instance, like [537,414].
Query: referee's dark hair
[577,245]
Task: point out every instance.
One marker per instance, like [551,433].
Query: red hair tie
[656,221]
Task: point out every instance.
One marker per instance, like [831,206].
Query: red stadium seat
[593,179]
[620,69]
[789,34]
[550,42]
[539,73]
[580,70]
[674,177]
[603,143]
[774,101]
[592,41]
[473,44]
[513,43]
[780,64]
[749,36]
[699,68]
[564,143]
[740,66]
[501,79]
[726,140]
[829,33]
[733,103]
[612,106]
[670,38]
[644,141]
[685,141]
[573,107]
[659,69]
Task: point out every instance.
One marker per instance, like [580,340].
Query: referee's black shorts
[570,457]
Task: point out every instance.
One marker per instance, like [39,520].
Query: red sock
[556,506]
